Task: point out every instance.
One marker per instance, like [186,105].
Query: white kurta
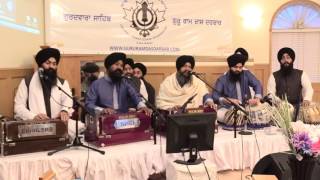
[172,94]
[58,100]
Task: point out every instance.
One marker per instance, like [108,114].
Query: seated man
[292,83]
[135,82]
[177,88]
[235,86]
[110,94]
[146,89]
[90,73]
[38,97]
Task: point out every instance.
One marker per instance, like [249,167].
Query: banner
[153,27]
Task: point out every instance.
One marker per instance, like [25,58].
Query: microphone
[40,71]
[184,106]
[193,73]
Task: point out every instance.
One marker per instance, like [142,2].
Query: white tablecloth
[136,160]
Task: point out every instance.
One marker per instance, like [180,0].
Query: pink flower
[316,147]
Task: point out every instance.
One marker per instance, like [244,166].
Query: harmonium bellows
[28,136]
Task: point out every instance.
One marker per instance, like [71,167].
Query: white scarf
[172,94]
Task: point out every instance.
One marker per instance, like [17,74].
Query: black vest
[289,85]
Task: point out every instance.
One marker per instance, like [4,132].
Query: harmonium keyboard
[105,130]
[162,124]
[17,137]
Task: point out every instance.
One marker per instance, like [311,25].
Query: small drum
[259,116]
[229,119]
[310,114]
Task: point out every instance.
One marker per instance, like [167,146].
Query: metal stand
[76,142]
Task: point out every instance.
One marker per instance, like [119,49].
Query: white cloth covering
[172,94]
[180,172]
[136,161]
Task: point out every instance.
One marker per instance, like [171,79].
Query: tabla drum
[228,124]
[310,114]
[259,116]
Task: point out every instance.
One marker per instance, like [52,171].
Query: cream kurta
[172,94]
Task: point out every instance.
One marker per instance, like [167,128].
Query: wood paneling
[9,81]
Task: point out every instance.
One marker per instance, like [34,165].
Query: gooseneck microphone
[40,71]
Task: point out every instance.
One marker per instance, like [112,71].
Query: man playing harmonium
[180,86]
[110,94]
[234,85]
[38,97]
[292,83]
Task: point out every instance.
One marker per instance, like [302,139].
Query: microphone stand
[236,106]
[154,109]
[76,142]
[184,106]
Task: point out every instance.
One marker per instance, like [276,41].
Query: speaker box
[283,167]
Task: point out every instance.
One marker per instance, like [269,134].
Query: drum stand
[245,131]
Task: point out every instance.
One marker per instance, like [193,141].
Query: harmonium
[17,137]
[104,130]
[162,123]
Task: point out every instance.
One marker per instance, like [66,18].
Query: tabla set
[258,117]
[310,114]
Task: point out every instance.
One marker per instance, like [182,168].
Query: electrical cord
[241,156]
[255,135]
[184,159]
[86,169]
[205,167]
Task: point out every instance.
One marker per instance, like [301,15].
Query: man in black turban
[290,82]
[234,85]
[38,96]
[145,88]
[184,65]
[243,52]
[139,70]
[177,88]
[128,67]
[90,73]
[111,93]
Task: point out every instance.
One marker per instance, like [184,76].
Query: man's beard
[235,76]
[116,75]
[286,68]
[183,77]
[50,77]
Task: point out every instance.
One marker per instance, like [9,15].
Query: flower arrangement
[303,139]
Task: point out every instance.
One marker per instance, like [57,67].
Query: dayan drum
[310,114]
[114,129]
[229,117]
[18,137]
